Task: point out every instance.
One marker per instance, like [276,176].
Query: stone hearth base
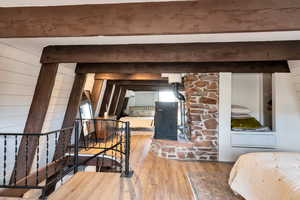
[182,150]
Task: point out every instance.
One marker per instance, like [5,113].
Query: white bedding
[267,176]
[139,122]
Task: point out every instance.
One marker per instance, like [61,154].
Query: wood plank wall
[19,70]
[96,92]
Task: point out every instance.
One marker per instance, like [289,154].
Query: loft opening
[252,102]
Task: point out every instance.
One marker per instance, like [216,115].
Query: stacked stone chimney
[202,100]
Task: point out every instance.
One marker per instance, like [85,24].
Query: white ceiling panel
[21,3]
[35,45]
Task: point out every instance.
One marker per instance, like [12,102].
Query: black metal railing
[32,175]
[106,144]
[102,143]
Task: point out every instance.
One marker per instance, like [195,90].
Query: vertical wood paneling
[35,119]
[19,70]
[121,102]
[97,88]
[69,119]
[114,101]
[106,97]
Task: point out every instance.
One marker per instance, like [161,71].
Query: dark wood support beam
[71,113]
[154,18]
[69,119]
[192,67]
[147,87]
[96,92]
[126,76]
[32,178]
[106,97]
[120,102]
[143,82]
[103,161]
[124,106]
[114,101]
[35,120]
[187,52]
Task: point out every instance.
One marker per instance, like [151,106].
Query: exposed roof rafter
[151,18]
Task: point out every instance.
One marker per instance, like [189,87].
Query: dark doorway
[166,120]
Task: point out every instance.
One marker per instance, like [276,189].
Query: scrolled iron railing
[33,175]
[107,147]
[107,142]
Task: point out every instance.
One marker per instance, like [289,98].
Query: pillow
[141,111]
[247,123]
[240,116]
[237,109]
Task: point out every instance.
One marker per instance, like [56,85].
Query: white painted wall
[100,98]
[56,110]
[286,108]
[89,83]
[142,99]
[19,70]
[246,91]
[145,98]
[18,75]
[59,98]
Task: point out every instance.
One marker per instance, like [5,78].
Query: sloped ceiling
[20,3]
[35,45]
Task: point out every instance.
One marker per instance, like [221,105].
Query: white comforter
[267,176]
[139,122]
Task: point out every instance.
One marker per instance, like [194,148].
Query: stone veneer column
[202,95]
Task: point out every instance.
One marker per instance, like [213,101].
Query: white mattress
[139,122]
[267,176]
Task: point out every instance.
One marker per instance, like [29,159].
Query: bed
[141,119]
[267,176]
[242,120]
[140,125]
[139,122]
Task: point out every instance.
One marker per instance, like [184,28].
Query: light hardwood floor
[154,178]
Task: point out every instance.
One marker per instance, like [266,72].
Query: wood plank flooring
[154,178]
[107,144]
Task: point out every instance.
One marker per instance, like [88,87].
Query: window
[251,100]
[167,96]
[86,111]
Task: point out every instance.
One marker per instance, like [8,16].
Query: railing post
[127,172]
[76,147]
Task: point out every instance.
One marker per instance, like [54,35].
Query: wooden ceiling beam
[96,92]
[147,87]
[71,113]
[195,67]
[142,83]
[126,76]
[64,138]
[120,102]
[114,100]
[185,52]
[153,18]
[106,98]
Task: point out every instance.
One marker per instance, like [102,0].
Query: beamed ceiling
[36,45]
[229,31]
[18,3]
